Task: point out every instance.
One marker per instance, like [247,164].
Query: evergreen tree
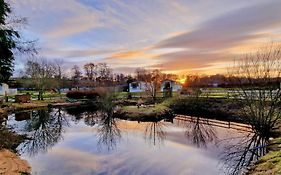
[7,43]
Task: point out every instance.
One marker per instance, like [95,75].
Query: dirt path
[11,164]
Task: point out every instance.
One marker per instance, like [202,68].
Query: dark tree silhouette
[7,43]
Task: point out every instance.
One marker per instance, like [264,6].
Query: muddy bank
[11,164]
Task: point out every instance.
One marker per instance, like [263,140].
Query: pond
[68,141]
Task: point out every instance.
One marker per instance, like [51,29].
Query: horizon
[176,36]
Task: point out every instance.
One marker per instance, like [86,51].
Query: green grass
[124,95]
[145,110]
[271,162]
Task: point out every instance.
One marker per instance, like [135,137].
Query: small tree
[104,73]
[76,75]
[41,74]
[58,63]
[257,76]
[151,78]
[90,70]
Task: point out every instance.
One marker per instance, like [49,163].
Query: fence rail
[217,123]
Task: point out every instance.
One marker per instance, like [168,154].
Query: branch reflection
[44,130]
[108,132]
[241,154]
[154,132]
[198,131]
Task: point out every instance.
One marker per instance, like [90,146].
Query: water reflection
[240,155]
[155,133]
[199,131]
[44,130]
[90,118]
[108,132]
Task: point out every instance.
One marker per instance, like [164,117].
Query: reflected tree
[154,132]
[240,155]
[199,131]
[90,118]
[108,132]
[44,130]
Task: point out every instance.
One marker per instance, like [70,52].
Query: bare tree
[257,76]
[41,73]
[76,75]
[90,70]
[104,73]
[151,78]
[58,63]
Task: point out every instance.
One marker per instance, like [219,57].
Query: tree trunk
[40,95]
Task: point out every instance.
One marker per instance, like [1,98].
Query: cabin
[138,86]
[5,90]
[170,84]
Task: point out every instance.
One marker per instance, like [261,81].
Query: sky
[177,36]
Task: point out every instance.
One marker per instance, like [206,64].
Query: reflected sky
[138,148]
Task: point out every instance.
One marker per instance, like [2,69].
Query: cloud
[56,19]
[189,60]
[230,29]
[173,35]
[73,53]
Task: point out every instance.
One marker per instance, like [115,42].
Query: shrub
[75,94]
[102,91]
[89,94]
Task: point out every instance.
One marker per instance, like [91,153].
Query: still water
[62,141]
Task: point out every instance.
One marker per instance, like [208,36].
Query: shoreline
[154,112]
[12,164]
[144,113]
[18,107]
[270,163]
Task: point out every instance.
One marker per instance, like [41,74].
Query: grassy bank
[271,162]
[214,108]
[14,107]
[147,112]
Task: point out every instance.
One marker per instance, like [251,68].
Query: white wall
[175,86]
[4,89]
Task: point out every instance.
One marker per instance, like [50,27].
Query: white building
[166,84]
[139,86]
[5,90]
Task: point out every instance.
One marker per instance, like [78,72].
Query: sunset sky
[202,36]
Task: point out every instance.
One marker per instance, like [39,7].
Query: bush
[90,94]
[102,91]
[75,94]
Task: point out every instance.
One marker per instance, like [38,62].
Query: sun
[182,80]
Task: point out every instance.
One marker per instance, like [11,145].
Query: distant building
[5,90]
[170,84]
[138,86]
